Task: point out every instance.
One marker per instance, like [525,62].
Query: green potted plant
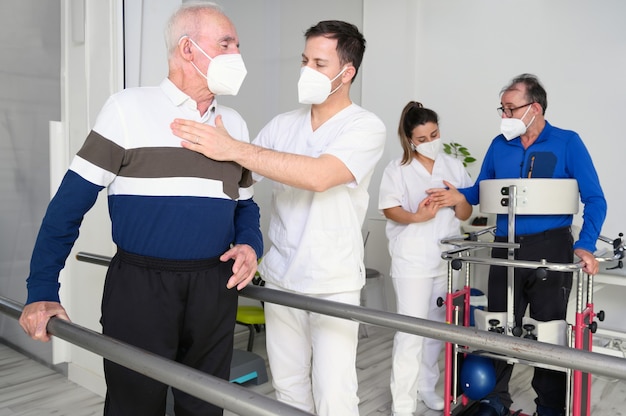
[458,151]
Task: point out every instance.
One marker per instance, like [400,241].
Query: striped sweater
[164,201]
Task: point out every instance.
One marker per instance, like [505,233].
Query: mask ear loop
[531,120]
[200,49]
[180,39]
[337,76]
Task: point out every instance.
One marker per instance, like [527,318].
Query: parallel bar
[464,243]
[94,258]
[510,346]
[229,396]
[525,264]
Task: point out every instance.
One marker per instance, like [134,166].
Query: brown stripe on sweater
[102,152]
[163,162]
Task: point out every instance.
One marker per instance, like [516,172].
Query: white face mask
[429,149]
[314,87]
[225,74]
[514,127]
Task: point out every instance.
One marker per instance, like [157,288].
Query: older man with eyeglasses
[530,147]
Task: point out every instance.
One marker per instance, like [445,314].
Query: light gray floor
[28,388]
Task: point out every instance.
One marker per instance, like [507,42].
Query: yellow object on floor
[253,317]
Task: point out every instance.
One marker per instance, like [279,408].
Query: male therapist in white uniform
[321,158]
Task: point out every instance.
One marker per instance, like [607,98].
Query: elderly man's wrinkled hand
[244,267]
[35,317]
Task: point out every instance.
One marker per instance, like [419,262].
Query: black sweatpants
[180,310]
[547,298]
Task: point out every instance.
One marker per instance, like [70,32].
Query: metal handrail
[467,242]
[227,395]
[462,245]
[527,264]
[510,346]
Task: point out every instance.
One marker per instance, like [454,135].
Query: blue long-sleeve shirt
[556,153]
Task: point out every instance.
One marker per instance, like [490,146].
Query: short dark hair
[535,93]
[350,42]
[413,114]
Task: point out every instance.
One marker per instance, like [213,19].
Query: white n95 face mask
[225,74]
[314,87]
[514,127]
[429,149]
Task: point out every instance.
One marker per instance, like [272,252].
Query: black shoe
[491,406]
[549,411]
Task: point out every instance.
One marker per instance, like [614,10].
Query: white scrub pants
[415,358]
[313,357]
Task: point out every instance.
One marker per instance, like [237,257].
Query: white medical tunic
[316,241]
[414,248]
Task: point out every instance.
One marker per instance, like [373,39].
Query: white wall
[29,98]
[462,53]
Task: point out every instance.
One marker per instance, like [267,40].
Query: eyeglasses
[509,111]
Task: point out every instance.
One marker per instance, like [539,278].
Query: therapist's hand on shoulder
[213,142]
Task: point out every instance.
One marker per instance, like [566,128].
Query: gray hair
[535,93]
[185,21]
